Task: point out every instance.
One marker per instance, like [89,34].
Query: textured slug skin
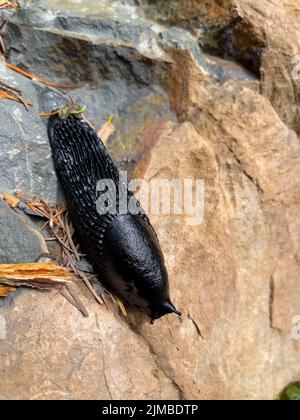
[123,249]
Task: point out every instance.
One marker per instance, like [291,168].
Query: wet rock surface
[201,90]
[25,157]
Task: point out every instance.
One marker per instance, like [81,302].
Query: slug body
[123,248]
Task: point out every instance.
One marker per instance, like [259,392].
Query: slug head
[61,106]
[136,266]
[70,109]
[163,308]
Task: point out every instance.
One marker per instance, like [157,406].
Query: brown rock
[293,6]
[52,352]
[235,276]
[266,40]
[220,277]
[263,37]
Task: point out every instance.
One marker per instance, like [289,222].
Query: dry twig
[36,275]
[8,4]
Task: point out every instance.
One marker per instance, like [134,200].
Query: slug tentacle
[123,248]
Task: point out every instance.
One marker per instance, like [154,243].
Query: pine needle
[59,223]
[38,79]
[12,94]
[49,114]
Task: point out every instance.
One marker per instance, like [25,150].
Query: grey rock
[85,266]
[19,243]
[110,55]
[178,38]
[25,156]
[27,210]
[220,70]
[81,49]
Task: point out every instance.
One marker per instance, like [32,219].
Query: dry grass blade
[55,85]
[121,306]
[89,285]
[60,240]
[88,122]
[2,43]
[15,98]
[65,224]
[24,196]
[2,46]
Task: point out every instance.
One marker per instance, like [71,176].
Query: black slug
[123,248]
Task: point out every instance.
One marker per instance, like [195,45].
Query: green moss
[291,393]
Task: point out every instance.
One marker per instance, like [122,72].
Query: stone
[20,243]
[110,58]
[116,58]
[261,275]
[25,157]
[264,39]
[52,352]
[293,6]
